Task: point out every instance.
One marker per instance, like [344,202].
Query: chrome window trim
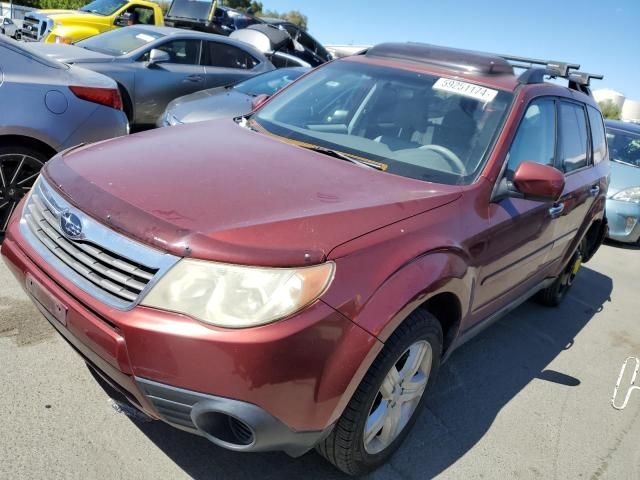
[103,237]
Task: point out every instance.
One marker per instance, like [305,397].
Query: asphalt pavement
[528,398]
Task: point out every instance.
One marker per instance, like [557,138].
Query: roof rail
[584,78]
[555,68]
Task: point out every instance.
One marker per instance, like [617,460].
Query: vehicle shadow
[624,246]
[473,386]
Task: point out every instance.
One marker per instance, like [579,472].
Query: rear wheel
[553,295]
[19,168]
[389,399]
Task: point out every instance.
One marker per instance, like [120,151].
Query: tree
[609,110]
[293,16]
[253,6]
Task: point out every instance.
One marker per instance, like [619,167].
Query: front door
[157,85]
[521,234]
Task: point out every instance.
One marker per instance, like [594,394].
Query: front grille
[101,258]
[31,28]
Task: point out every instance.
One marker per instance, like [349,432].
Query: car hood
[623,177]
[62,15]
[218,191]
[69,53]
[221,102]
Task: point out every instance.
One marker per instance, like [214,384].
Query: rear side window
[227,56]
[598,139]
[535,140]
[573,136]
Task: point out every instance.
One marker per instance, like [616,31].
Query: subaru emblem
[71,225]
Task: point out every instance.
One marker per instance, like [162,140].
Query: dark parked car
[154,65]
[206,16]
[46,107]
[623,204]
[295,279]
[227,102]
[314,53]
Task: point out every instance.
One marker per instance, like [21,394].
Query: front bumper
[288,381]
[624,221]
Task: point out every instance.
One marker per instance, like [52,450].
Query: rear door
[157,85]
[575,160]
[225,64]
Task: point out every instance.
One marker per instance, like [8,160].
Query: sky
[602,36]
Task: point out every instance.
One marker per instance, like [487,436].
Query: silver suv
[45,107]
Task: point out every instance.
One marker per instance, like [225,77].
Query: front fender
[71,32]
[411,286]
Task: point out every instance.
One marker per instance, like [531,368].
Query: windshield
[121,41]
[269,83]
[103,7]
[406,123]
[196,9]
[624,147]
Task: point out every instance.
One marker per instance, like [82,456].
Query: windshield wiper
[341,156]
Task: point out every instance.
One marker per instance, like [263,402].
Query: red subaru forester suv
[294,279]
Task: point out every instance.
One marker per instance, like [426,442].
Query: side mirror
[124,20]
[258,101]
[538,182]
[157,56]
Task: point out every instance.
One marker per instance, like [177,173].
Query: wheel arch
[30,142]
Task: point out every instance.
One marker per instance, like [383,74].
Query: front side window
[624,147]
[141,15]
[407,123]
[573,136]
[227,56]
[598,139]
[120,41]
[535,140]
[104,7]
[182,52]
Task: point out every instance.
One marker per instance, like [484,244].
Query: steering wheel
[452,159]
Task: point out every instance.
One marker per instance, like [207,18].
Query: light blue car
[623,204]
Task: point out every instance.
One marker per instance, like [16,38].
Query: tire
[19,168]
[554,294]
[345,446]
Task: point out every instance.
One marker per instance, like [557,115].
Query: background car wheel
[553,295]
[19,168]
[389,398]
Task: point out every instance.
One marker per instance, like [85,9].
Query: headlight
[235,296]
[171,120]
[628,195]
[65,40]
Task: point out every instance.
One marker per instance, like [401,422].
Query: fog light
[630,224]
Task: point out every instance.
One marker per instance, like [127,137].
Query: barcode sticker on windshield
[465,89]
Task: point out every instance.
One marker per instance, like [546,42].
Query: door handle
[194,78]
[556,210]
[595,190]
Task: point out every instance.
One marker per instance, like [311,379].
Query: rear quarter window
[598,138]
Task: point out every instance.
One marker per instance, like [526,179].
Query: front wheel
[19,168]
[389,398]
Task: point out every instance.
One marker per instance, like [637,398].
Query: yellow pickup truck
[69,26]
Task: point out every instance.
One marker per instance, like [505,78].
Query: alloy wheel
[17,173]
[398,397]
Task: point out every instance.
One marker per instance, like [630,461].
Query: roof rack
[555,68]
[578,81]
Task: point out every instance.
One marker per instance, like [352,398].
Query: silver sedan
[154,65]
[45,107]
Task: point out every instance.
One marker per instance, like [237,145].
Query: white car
[9,27]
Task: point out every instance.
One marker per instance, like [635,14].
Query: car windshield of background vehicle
[103,7]
[268,83]
[624,147]
[191,9]
[410,123]
[120,42]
